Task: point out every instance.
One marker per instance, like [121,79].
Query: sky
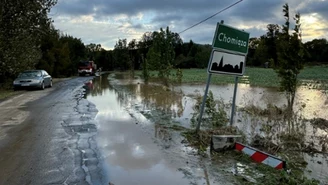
[105,21]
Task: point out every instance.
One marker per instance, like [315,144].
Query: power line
[228,7]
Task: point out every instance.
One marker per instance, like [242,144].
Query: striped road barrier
[261,157]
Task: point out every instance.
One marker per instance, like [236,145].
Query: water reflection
[130,155]
[166,101]
[127,149]
[97,86]
[162,103]
[317,167]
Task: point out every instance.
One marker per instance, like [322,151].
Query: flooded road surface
[315,102]
[135,144]
[317,167]
[309,104]
[135,150]
[132,157]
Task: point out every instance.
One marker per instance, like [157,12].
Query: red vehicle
[87,67]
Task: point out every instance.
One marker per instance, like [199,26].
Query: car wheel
[50,85]
[42,86]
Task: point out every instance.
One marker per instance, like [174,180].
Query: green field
[254,76]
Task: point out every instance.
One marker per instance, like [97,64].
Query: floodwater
[136,150]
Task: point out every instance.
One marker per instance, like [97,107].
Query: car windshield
[30,74]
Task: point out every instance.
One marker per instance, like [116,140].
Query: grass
[253,76]
[7,93]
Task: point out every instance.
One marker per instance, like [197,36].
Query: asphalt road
[46,137]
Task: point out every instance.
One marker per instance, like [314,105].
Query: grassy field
[254,76]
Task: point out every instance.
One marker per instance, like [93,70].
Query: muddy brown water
[134,150]
[127,149]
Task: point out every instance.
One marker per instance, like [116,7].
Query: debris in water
[320,123]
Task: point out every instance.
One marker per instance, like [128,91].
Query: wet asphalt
[48,145]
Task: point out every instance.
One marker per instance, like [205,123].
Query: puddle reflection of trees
[100,84]
[97,86]
[151,97]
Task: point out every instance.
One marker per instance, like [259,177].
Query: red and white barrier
[260,156]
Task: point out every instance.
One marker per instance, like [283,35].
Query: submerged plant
[214,115]
[179,75]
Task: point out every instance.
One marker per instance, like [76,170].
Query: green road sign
[230,39]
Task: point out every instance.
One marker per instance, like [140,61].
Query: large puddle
[131,154]
[130,112]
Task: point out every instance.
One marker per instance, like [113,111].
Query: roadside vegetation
[7,93]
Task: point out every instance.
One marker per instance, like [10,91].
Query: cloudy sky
[105,21]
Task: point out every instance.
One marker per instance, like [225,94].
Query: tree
[317,51]
[48,49]
[185,55]
[202,56]
[262,53]
[133,55]
[77,51]
[271,42]
[145,43]
[121,55]
[62,63]
[103,60]
[60,53]
[92,49]
[290,58]
[143,47]
[161,54]
[22,25]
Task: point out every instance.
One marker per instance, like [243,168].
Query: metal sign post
[234,101]
[204,102]
[230,46]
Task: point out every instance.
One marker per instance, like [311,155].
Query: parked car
[33,79]
[87,67]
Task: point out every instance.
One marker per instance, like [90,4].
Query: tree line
[263,50]
[28,40]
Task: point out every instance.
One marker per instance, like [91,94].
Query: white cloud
[104,22]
